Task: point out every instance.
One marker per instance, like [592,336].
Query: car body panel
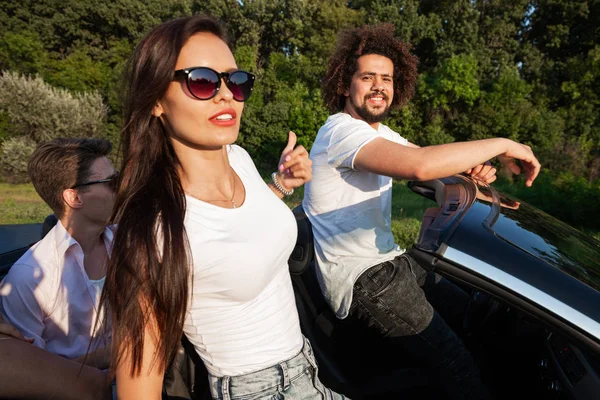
[518,247]
[14,242]
[16,236]
[526,290]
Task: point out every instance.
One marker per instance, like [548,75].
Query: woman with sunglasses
[203,242]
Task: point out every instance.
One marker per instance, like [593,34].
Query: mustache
[377,94]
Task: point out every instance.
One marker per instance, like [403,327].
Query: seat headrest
[49,223]
[304,250]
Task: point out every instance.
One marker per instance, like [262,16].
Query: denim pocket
[419,273]
[378,278]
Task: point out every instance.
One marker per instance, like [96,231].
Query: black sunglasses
[111,180]
[204,83]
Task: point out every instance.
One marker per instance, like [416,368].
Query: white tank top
[242,314]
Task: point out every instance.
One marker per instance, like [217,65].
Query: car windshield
[544,237]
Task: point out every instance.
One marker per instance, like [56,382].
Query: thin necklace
[232,200]
[234,185]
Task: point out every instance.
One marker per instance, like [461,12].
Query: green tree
[22,51]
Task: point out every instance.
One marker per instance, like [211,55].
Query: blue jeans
[395,299]
[293,379]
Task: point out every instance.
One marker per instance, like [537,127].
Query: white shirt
[242,315]
[48,296]
[350,210]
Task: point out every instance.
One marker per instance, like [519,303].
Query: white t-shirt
[48,296]
[242,315]
[350,210]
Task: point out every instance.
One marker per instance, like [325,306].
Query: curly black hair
[368,39]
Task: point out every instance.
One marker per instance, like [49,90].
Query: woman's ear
[157,111]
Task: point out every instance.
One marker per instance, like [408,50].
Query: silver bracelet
[279,187]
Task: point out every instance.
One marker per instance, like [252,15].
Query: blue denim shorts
[293,379]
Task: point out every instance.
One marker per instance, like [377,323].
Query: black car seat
[350,359]
[48,224]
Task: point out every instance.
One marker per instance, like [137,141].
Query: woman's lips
[224,118]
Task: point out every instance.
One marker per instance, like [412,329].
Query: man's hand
[8,329]
[531,166]
[483,172]
[295,168]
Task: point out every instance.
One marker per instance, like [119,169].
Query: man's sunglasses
[204,83]
[111,180]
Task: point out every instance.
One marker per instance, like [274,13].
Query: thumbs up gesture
[295,168]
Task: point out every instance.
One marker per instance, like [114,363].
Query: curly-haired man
[363,272]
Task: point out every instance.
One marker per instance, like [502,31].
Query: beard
[368,115]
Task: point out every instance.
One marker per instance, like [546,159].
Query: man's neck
[352,113]
[86,233]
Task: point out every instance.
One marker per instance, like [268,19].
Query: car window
[549,239]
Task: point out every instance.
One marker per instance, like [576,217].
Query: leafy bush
[41,112]
[33,111]
[14,156]
[406,231]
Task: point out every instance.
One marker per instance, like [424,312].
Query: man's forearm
[28,372]
[403,162]
[452,158]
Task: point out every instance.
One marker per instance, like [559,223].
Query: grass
[407,212]
[20,204]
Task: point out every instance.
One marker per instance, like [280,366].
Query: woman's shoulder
[238,155]
[238,150]
[242,162]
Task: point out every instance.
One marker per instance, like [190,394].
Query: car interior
[521,356]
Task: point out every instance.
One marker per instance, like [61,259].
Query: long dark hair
[147,281]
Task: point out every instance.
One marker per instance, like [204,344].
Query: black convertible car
[532,322]
[533,319]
